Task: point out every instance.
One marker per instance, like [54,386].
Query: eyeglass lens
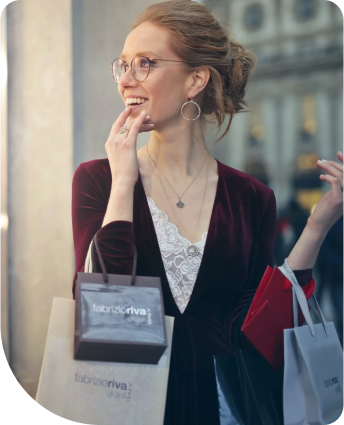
[139,68]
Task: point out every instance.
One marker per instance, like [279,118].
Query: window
[305,9]
[253,16]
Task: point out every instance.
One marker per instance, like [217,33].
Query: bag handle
[315,306]
[300,297]
[90,264]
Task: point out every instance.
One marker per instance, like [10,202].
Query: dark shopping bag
[118,318]
[250,390]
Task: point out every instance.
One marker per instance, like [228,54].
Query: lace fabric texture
[181,269]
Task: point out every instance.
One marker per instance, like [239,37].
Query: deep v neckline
[174,226]
[206,246]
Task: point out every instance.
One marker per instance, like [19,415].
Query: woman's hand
[328,210]
[330,207]
[121,148]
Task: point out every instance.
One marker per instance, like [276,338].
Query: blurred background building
[59,101]
[296,93]
[296,101]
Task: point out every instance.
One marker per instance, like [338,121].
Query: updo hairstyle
[199,39]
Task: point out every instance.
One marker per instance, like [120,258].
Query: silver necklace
[191,249]
[179,204]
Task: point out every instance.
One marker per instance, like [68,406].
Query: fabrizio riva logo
[84,379]
[119,310]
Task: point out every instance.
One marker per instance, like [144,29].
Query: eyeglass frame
[149,59]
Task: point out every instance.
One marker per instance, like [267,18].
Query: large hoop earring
[199,110]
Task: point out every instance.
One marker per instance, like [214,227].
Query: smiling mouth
[137,103]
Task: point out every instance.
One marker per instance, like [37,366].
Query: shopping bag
[270,313]
[118,317]
[313,372]
[99,393]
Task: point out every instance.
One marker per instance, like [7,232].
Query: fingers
[332,168]
[121,120]
[334,164]
[335,176]
[146,127]
[147,119]
[336,185]
[340,156]
[136,125]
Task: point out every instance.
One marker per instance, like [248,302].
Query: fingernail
[340,152]
[127,108]
[324,160]
[143,112]
[319,160]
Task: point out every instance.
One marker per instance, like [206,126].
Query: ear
[199,79]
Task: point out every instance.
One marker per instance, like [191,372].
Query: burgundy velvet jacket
[238,249]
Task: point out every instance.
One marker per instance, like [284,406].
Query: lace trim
[181,268]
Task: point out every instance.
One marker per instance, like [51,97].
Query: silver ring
[123,129]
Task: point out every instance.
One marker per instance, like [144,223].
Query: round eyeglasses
[140,67]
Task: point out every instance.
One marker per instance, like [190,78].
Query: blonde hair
[200,40]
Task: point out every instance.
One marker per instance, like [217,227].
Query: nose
[127,80]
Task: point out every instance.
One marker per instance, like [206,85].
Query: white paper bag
[99,393]
[313,370]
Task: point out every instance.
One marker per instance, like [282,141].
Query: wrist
[121,188]
[120,204]
[304,254]
[317,231]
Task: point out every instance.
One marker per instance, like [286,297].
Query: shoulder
[249,188]
[96,173]
[96,169]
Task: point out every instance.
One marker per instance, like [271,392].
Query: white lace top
[181,268]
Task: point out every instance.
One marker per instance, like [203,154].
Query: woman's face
[167,85]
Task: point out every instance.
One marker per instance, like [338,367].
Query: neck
[179,153]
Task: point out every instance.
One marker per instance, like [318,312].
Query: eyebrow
[142,54]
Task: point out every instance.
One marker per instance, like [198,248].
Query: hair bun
[241,66]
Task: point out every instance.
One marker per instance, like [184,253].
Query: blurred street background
[296,99]
[59,101]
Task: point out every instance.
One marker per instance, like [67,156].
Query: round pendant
[180,204]
[192,250]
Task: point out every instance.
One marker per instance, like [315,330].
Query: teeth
[131,100]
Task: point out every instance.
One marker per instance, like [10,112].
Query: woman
[206,229]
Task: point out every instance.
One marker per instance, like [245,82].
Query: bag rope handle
[90,263]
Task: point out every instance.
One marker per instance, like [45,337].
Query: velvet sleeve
[263,258]
[90,194]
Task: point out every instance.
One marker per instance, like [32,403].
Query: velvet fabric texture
[238,249]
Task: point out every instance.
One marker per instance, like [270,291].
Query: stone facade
[296,90]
